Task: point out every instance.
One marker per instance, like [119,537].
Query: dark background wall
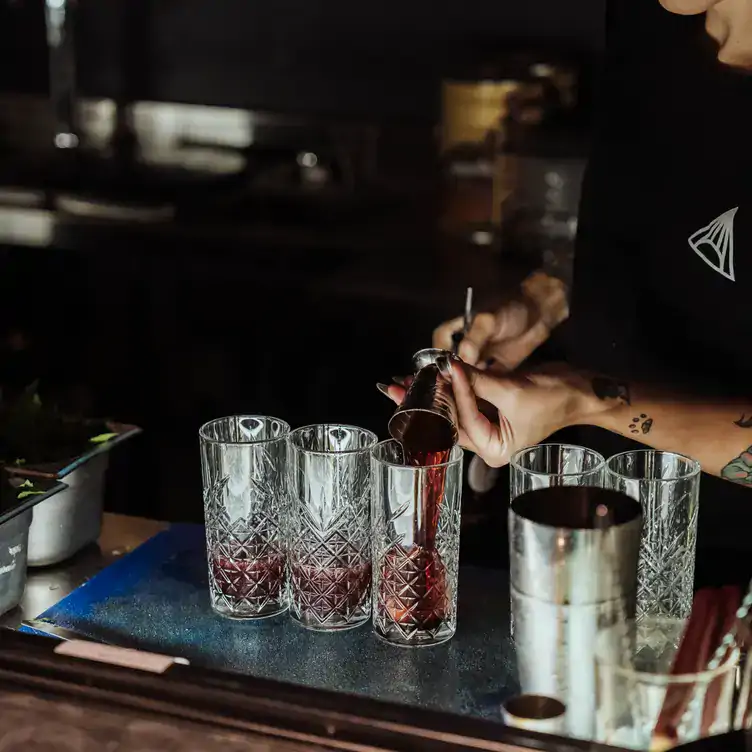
[333,56]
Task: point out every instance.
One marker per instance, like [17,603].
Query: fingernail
[444,365]
[383,388]
[399,380]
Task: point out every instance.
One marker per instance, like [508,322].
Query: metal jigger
[570,575]
[428,405]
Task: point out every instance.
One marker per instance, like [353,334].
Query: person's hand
[506,338]
[530,407]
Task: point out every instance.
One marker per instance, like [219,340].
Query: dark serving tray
[156,598]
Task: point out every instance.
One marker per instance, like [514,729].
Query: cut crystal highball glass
[328,530]
[243,460]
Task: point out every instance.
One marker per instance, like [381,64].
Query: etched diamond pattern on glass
[667,485]
[329,526]
[243,460]
[414,584]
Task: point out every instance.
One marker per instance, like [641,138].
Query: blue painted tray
[156,598]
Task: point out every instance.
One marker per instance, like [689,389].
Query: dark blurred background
[382,60]
[211,208]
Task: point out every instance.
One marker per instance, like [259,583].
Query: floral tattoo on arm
[739,470]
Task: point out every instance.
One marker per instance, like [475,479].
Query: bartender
[658,341]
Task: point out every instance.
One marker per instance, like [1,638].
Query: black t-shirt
[663,270]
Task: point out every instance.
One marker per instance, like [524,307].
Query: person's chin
[686,7]
[735,62]
[743,67]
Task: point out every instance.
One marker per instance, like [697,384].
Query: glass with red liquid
[328,533]
[416,499]
[243,462]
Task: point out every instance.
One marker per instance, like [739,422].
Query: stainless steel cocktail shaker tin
[573,569]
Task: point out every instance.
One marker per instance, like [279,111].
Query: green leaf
[25,494]
[26,484]
[102,438]
[19,461]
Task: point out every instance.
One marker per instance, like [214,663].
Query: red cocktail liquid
[250,580]
[413,587]
[330,592]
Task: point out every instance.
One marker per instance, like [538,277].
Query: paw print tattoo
[641,424]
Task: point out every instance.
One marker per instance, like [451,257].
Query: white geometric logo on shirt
[714,244]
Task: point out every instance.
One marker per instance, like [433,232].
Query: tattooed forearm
[744,421]
[605,388]
[739,470]
[641,424]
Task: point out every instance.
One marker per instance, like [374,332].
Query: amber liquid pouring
[418,571]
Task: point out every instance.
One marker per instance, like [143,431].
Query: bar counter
[157,600]
[153,597]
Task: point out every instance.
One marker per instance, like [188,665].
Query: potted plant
[39,442]
[18,497]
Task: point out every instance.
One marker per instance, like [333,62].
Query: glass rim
[514,461]
[211,440]
[651,677]
[455,457]
[693,473]
[292,436]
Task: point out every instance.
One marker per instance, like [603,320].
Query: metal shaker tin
[559,554]
[570,576]
[429,394]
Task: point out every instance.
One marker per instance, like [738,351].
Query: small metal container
[430,401]
[569,576]
[15,521]
[63,525]
[70,520]
[14,537]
